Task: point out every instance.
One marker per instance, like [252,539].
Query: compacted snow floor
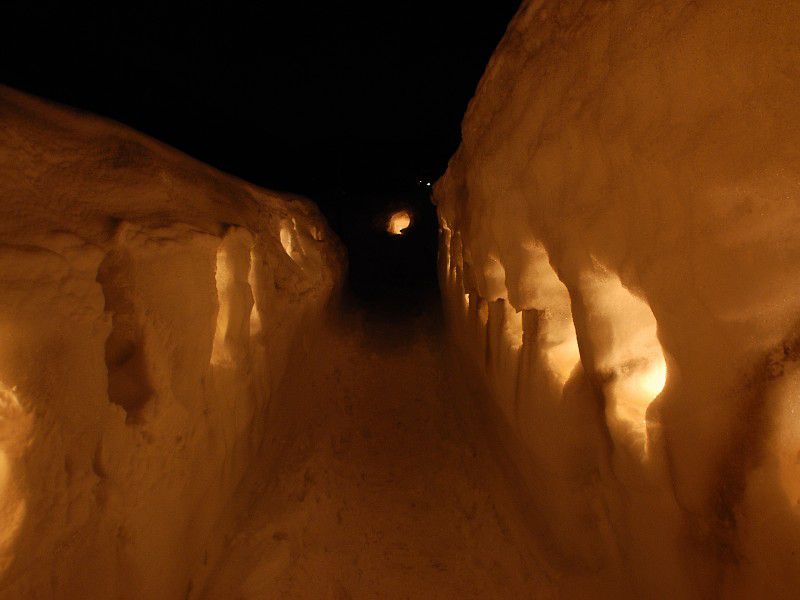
[382,484]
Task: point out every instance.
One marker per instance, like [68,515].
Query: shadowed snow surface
[380,483]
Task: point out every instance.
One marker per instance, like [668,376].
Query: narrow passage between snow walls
[185,414]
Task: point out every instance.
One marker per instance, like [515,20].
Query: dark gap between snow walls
[389,274]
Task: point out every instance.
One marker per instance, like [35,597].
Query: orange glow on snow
[224,279]
[653,382]
[627,351]
[399,222]
[15,425]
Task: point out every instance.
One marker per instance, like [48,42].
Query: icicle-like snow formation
[620,261]
[147,307]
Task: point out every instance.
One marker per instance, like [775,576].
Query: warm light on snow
[290,239]
[622,342]
[252,280]
[127,311]
[286,239]
[653,381]
[563,357]
[398,222]
[235,297]
[785,442]
[513,328]
[15,425]
[620,274]
[645,221]
[223,278]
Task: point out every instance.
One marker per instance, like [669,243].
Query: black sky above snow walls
[350,104]
[304,96]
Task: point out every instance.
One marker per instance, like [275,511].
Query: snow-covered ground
[379,480]
[148,304]
[620,263]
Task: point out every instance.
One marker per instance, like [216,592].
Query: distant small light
[428,184]
[399,222]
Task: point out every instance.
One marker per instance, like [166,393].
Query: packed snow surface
[380,481]
[621,266]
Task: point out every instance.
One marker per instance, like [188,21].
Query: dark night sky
[300,96]
[347,103]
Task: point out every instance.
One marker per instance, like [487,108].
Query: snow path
[382,484]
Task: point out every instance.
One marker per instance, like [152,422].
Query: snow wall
[620,263]
[148,304]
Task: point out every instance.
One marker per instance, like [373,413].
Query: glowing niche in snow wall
[398,222]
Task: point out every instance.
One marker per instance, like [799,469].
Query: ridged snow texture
[620,259]
[147,308]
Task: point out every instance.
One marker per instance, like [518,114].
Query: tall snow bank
[620,261]
[147,307]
